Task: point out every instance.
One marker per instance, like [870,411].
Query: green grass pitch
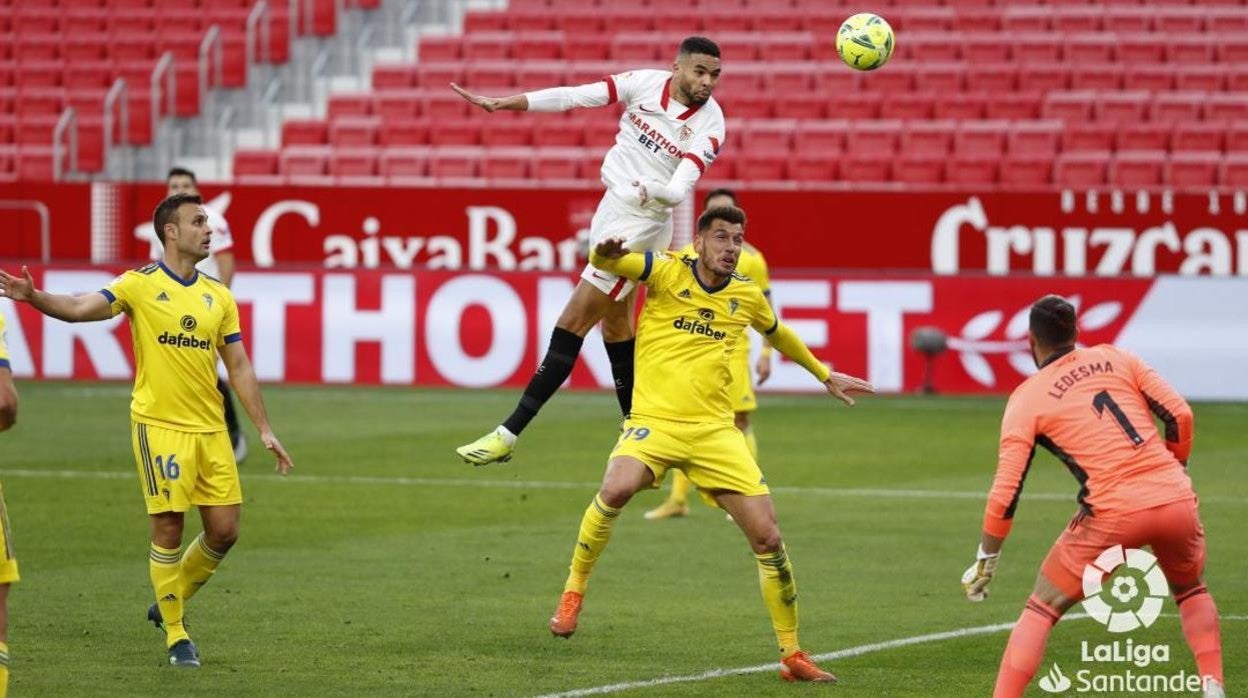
[384,566]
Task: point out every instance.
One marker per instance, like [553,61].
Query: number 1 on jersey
[1102,401]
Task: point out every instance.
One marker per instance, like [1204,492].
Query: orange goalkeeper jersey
[1093,409]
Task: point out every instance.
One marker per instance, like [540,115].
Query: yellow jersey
[686,337]
[177,326]
[4,346]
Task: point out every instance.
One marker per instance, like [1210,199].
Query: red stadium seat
[1078,19]
[1198,138]
[940,77]
[484,46]
[761,166]
[1233,172]
[1148,77]
[455,162]
[560,164]
[305,161]
[979,49]
[255,162]
[995,78]
[767,136]
[1039,48]
[908,105]
[1035,138]
[1019,106]
[919,169]
[813,167]
[507,163]
[1128,19]
[1044,77]
[866,168]
[585,46]
[436,75]
[353,132]
[1232,49]
[1071,107]
[485,21]
[1226,108]
[1177,107]
[1026,171]
[820,137]
[1081,169]
[1083,137]
[1237,138]
[507,132]
[489,76]
[1097,77]
[873,138]
[963,106]
[404,132]
[1192,170]
[305,132]
[353,162]
[1137,169]
[455,133]
[1189,49]
[1026,19]
[444,104]
[400,163]
[389,77]
[1140,49]
[356,104]
[972,170]
[927,138]
[1208,78]
[980,138]
[440,48]
[1143,137]
[537,46]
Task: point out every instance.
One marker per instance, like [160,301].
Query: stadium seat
[1026,172]
[255,162]
[820,137]
[760,166]
[304,132]
[559,164]
[400,163]
[1192,170]
[867,168]
[1198,138]
[353,162]
[966,106]
[1137,169]
[1226,108]
[507,163]
[919,169]
[507,132]
[1089,137]
[993,78]
[980,138]
[1044,77]
[305,161]
[1034,138]
[1018,106]
[907,105]
[1207,78]
[1237,138]
[404,133]
[1081,169]
[1143,137]
[927,138]
[1233,172]
[873,138]
[1097,77]
[1071,107]
[813,167]
[1177,107]
[1148,77]
[455,162]
[972,169]
[767,136]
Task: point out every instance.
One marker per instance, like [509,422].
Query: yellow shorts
[182,469]
[8,566]
[713,456]
[742,386]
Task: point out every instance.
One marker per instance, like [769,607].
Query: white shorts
[615,219]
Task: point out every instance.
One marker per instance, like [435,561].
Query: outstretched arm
[611,256]
[86,307]
[594,94]
[243,380]
[839,385]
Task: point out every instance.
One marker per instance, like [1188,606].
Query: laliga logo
[1125,589]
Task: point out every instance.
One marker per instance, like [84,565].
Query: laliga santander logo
[975,342]
[1055,681]
[1143,578]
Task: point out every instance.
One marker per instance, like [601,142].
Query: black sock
[621,356]
[555,369]
[231,417]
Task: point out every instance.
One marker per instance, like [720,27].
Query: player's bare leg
[756,516]
[166,613]
[625,477]
[586,308]
[1025,649]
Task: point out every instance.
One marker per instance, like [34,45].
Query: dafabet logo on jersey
[1123,590]
[698,327]
[183,341]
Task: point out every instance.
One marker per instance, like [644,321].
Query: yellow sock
[590,541]
[198,565]
[4,669]
[751,443]
[681,486]
[775,576]
[164,566]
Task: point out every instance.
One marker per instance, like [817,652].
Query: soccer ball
[865,41]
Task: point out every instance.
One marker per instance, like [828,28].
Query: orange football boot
[800,667]
[563,624]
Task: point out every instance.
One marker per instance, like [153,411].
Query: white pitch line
[879,493]
[829,656]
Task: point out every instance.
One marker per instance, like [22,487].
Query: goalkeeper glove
[975,579]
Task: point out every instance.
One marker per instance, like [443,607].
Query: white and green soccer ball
[865,41]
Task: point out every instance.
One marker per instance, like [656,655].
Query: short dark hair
[181,172]
[698,44]
[727,214]
[722,191]
[167,212]
[1053,322]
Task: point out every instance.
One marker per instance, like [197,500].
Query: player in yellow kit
[8,563]
[696,313]
[752,266]
[180,320]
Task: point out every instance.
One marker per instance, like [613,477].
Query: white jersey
[656,132]
[222,241]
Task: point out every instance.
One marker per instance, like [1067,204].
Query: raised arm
[85,307]
[611,256]
[594,94]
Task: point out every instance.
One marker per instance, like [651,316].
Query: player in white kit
[219,265]
[671,131]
